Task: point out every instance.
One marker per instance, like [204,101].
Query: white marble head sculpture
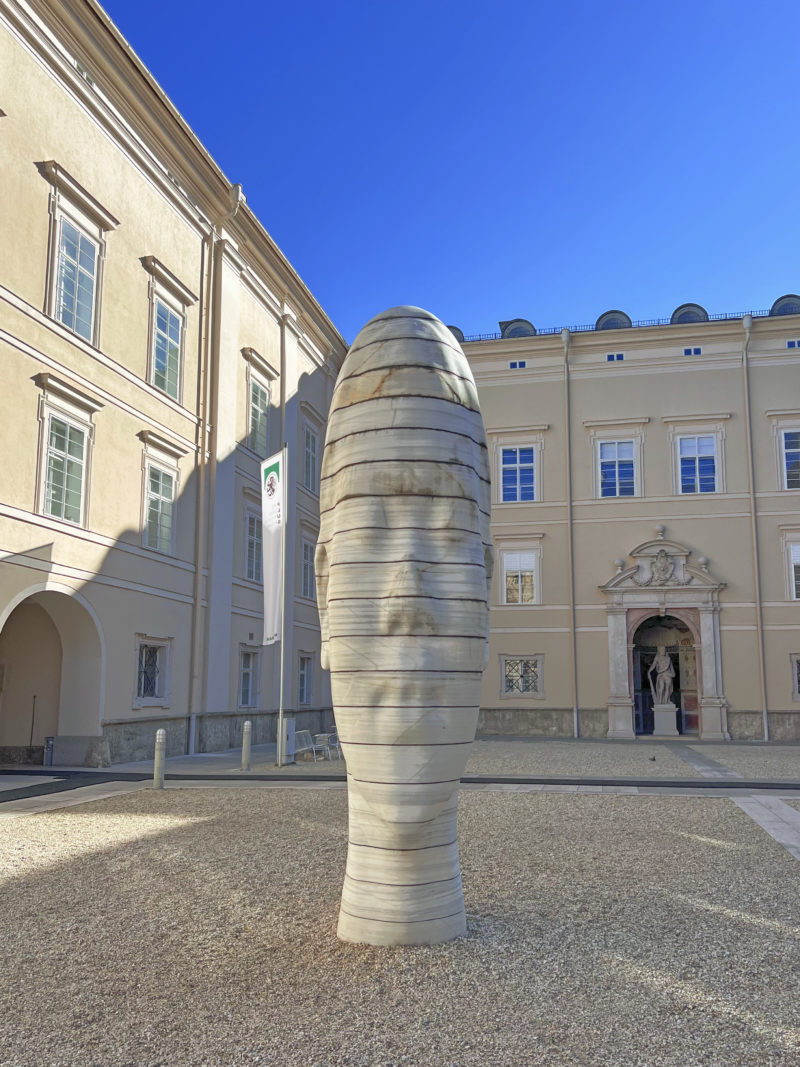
[403,563]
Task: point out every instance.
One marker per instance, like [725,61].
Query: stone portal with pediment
[664,581]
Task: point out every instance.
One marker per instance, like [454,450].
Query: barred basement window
[521,675]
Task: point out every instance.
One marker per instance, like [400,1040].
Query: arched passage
[675,637]
[52,667]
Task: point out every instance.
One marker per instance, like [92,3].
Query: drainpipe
[565,335]
[203,359]
[747,325]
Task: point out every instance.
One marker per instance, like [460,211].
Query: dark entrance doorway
[676,638]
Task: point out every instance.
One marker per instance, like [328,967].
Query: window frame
[794,659]
[164,646]
[165,288]
[161,454]
[305,679]
[255,677]
[531,545]
[696,456]
[310,433]
[784,482]
[532,436]
[255,381]
[792,550]
[704,425]
[537,658]
[617,441]
[162,468]
[307,550]
[501,467]
[607,431]
[59,399]
[69,200]
[251,512]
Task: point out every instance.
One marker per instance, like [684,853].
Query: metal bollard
[158,762]
[247,735]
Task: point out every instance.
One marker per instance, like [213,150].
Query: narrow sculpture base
[377,932]
[664,721]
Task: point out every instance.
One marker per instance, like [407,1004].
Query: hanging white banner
[273,507]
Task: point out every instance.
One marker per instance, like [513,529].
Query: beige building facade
[646,493]
[156,345]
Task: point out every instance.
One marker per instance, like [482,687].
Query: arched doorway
[675,637]
[51,668]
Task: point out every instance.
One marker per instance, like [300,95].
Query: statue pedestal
[664,720]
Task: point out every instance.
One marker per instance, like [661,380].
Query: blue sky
[494,160]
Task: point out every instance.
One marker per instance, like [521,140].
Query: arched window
[458,334]
[786,305]
[517,328]
[613,320]
[689,313]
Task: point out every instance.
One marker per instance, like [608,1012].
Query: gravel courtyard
[197,926]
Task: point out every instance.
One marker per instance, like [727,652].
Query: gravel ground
[577,759]
[758,761]
[197,927]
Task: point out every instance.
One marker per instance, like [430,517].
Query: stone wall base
[541,722]
[749,725]
[25,754]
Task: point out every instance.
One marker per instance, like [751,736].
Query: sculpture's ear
[321,570]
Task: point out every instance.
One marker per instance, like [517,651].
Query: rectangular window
[614,357]
[151,672]
[309,583]
[518,577]
[617,468]
[791,459]
[517,474]
[310,460]
[248,688]
[254,548]
[794,575]
[66,464]
[795,659]
[520,675]
[166,356]
[159,509]
[259,410]
[305,681]
[76,279]
[698,464]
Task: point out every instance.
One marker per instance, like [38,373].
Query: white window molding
[786,434]
[305,679]
[791,544]
[76,253]
[522,676]
[517,439]
[66,439]
[617,431]
[152,687]
[161,478]
[519,575]
[260,377]
[169,302]
[687,427]
[248,692]
[794,658]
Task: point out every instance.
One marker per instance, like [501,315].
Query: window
[308,584]
[169,299]
[248,678]
[614,357]
[795,661]
[66,468]
[158,509]
[152,672]
[698,464]
[259,410]
[616,459]
[518,364]
[76,279]
[305,681]
[790,442]
[78,224]
[166,353]
[793,344]
[517,474]
[519,584]
[521,676]
[794,570]
[692,351]
[310,459]
[254,549]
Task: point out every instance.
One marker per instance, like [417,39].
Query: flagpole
[280,750]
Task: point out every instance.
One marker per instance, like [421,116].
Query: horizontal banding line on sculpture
[410,707]
[403,430]
[406,670]
[372,495]
[398,529]
[403,459]
[405,785]
[336,636]
[402,885]
[403,396]
[405,744]
[408,596]
[405,559]
[413,338]
[420,848]
[400,922]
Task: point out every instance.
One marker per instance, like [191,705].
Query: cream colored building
[646,493]
[156,345]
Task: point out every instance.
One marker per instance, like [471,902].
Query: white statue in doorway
[665,672]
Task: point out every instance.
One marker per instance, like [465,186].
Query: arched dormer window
[613,320]
[786,305]
[517,328]
[458,334]
[689,313]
